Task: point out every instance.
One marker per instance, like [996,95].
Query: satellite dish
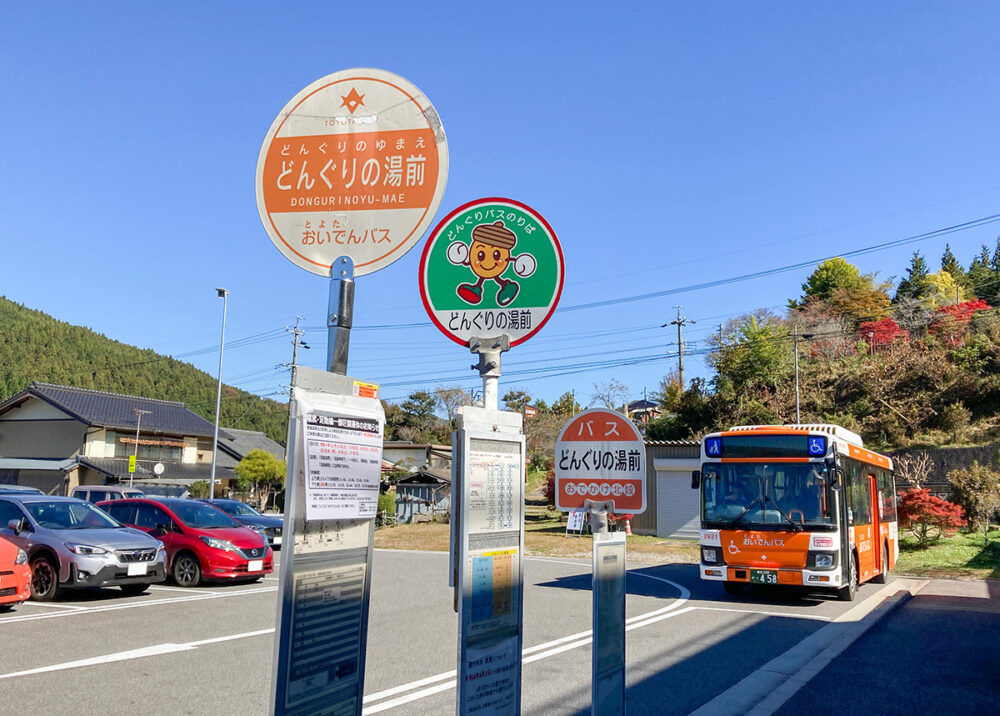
[158,468]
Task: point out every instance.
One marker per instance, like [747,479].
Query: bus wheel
[733,587]
[883,576]
[847,594]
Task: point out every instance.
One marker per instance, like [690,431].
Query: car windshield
[202,516]
[69,516]
[753,493]
[238,509]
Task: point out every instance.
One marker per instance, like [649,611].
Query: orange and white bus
[803,505]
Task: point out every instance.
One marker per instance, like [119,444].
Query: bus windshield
[748,494]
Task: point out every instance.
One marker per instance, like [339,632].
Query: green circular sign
[492,266]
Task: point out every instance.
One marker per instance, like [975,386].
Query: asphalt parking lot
[209,650]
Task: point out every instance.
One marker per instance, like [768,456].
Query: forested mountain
[36,346]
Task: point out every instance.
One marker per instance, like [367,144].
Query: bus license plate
[763,576]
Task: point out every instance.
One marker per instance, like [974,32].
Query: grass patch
[960,556]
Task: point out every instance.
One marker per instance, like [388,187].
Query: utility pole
[680,322]
[795,343]
[296,333]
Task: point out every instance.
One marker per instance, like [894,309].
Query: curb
[764,691]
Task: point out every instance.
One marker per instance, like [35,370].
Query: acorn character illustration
[488,257]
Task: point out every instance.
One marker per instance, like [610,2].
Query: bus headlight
[710,555]
[821,560]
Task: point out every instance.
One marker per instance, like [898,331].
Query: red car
[203,542]
[15,575]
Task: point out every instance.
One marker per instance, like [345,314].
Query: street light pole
[795,333]
[224,295]
[135,452]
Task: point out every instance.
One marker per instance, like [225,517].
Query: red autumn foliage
[928,517]
[550,488]
[962,312]
[950,322]
[882,333]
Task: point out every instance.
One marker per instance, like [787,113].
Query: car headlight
[708,555]
[824,560]
[222,544]
[22,557]
[85,549]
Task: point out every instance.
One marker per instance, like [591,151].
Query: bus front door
[874,556]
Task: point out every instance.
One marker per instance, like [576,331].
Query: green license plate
[763,576]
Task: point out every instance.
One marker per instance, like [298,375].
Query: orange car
[15,575]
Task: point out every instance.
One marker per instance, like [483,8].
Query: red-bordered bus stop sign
[600,456]
[354,165]
[492,266]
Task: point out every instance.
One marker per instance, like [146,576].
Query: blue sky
[668,144]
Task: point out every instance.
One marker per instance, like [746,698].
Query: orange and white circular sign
[354,165]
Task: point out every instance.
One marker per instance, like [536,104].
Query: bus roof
[802,428]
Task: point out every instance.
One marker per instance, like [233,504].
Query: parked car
[71,544]
[15,575]
[268,525]
[203,542]
[5,489]
[102,493]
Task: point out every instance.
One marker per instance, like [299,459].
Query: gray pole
[795,333]
[224,295]
[340,315]
[138,421]
[680,321]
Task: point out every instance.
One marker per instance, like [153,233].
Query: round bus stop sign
[492,266]
[354,165]
[600,456]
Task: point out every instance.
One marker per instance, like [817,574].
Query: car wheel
[733,587]
[883,576]
[44,580]
[187,571]
[847,594]
[134,590]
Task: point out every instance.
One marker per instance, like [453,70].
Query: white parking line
[186,590]
[52,606]
[529,654]
[155,650]
[196,597]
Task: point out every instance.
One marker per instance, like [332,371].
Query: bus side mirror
[834,471]
[695,479]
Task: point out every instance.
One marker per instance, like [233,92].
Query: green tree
[950,264]
[669,392]
[831,276]
[418,410]
[977,490]
[199,489]
[566,405]
[914,284]
[515,400]
[260,472]
[756,351]
[984,281]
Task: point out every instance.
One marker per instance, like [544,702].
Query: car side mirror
[695,479]
[16,525]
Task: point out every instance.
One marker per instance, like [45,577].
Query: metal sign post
[607,687]
[348,179]
[490,277]
[490,561]
[600,466]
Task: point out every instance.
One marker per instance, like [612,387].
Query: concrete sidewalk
[937,653]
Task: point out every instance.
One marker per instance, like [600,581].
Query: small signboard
[354,165]
[575,521]
[600,456]
[490,532]
[325,571]
[131,463]
[491,267]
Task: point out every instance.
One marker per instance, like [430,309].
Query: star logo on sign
[353,100]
